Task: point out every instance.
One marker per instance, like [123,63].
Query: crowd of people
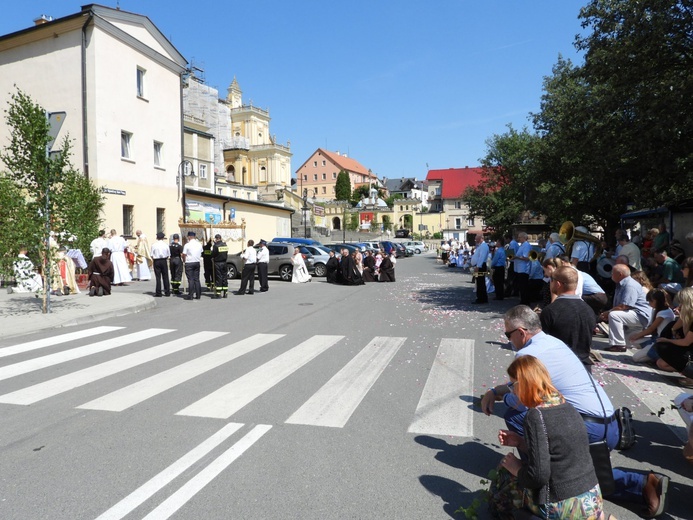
[358,268]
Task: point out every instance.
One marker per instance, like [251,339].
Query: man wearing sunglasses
[574,382]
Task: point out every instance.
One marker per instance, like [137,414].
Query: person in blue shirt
[498,266]
[574,382]
[521,262]
[479,265]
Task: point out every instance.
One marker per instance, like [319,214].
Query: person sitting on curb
[574,382]
[630,309]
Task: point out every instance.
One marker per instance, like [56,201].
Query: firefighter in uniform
[208,264]
[176,263]
[218,255]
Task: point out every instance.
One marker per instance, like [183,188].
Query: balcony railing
[237,143]
[250,108]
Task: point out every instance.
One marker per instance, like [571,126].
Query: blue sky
[396,85]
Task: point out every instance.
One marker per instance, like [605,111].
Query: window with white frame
[470,221]
[324,176]
[125,144]
[334,175]
[128,219]
[324,163]
[140,82]
[203,171]
[158,149]
[315,176]
[324,190]
[160,220]
[458,204]
[458,223]
[315,164]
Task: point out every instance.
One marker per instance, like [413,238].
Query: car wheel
[285,272]
[418,251]
[320,270]
[231,272]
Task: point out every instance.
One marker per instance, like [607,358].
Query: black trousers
[248,278]
[523,286]
[192,273]
[262,276]
[499,281]
[481,294]
[176,272]
[161,271]
[220,283]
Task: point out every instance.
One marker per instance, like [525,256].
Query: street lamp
[180,182]
[306,208]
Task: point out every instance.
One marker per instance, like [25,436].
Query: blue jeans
[629,485]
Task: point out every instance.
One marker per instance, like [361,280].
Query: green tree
[49,185]
[507,185]
[342,188]
[387,223]
[390,201]
[353,222]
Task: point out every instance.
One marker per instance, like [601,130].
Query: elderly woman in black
[558,476]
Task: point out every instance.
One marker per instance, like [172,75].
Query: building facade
[445,196]
[123,116]
[253,157]
[318,175]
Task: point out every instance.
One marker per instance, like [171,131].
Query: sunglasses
[508,334]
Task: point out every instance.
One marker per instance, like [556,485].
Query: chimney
[43,19]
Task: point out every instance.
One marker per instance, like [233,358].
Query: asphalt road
[310,401]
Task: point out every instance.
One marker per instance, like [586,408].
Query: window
[458,223]
[157,153]
[140,82]
[203,170]
[324,190]
[263,174]
[128,216]
[470,221]
[315,164]
[324,176]
[324,163]
[315,176]
[161,220]
[458,204]
[125,140]
[334,175]
[305,177]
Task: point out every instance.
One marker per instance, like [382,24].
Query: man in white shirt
[192,256]
[98,244]
[262,266]
[249,256]
[160,253]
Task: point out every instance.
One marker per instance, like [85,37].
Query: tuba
[569,235]
[533,255]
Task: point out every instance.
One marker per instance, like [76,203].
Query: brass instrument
[509,255]
[569,235]
[477,275]
[533,255]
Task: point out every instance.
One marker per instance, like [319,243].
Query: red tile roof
[342,162]
[455,180]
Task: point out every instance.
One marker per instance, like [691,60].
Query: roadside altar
[229,230]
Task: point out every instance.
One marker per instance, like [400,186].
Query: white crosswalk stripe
[76,353]
[440,410]
[38,392]
[54,340]
[142,390]
[443,408]
[334,403]
[230,398]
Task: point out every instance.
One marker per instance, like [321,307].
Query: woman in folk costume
[28,280]
[117,246]
[300,272]
[143,259]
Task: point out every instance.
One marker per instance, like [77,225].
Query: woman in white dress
[300,272]
[117,246]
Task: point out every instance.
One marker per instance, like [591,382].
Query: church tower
[234,94]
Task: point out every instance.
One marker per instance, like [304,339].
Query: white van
[418,247]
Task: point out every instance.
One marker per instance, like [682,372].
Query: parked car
[364,246]
[401,233]
[279,264]
[418,247]
[337,248]
[320,255]
[404,250]
[296,240]
[388,246]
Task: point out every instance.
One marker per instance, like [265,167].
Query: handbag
[601,458]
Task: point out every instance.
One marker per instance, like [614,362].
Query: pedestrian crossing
[440,409]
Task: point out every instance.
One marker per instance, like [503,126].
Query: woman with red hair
[556,469]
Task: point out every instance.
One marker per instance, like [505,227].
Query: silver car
[320,256]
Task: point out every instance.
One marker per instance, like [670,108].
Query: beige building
[123,115]
[318,175]
[253,157]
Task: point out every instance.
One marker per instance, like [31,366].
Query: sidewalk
[20,313]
